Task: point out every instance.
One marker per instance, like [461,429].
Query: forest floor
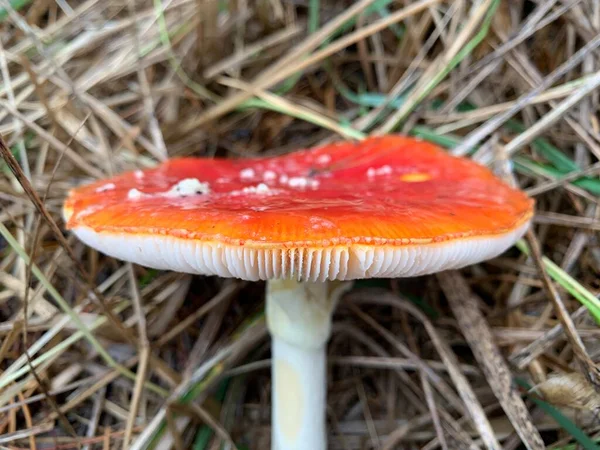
[97,353]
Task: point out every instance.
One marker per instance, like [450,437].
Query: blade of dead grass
[590,85]
[482,71]
[590,370]
[276,103]
[474,138]
[465,307]
[17,370]
[144,352]
[148,103]
[28,421]
[293,62]
[8,438]
[441,386]
[291,58]
[245,337]
[33,349]
[41,208]
[567,220]
[175,65]
[17,124]
[71,154]
[70,312]
[524,356]
[250,50]
[224,295]
[463,387]
[567,282]
[459,49]
[463,119]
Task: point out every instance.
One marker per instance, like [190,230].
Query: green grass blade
[314,8]
[14,4]
[565,423]
[526,166]
[344,128]
[204,433]
[549,151]
[426,133]
[568,283]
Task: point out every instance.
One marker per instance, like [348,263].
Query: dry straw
[95,353]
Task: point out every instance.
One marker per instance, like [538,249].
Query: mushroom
[307,222]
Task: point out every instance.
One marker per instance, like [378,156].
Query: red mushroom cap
[385,207]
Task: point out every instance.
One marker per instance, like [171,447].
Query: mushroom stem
[299,320]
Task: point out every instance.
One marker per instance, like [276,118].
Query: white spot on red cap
[106,187]
[302,182]
[246,174]
[258,189]
[187,187]
[134,194]
[138,174]
[184,188]
[324,159]
[383,170]
[269,175]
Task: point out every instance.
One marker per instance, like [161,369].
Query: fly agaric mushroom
[385,207]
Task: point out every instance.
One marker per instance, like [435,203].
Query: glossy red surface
[389,190]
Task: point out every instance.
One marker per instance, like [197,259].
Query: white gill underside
[304,264]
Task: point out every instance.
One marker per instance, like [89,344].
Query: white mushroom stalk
[299,320]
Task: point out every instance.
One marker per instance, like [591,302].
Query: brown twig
[465,307]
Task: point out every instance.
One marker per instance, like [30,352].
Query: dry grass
[99,354]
